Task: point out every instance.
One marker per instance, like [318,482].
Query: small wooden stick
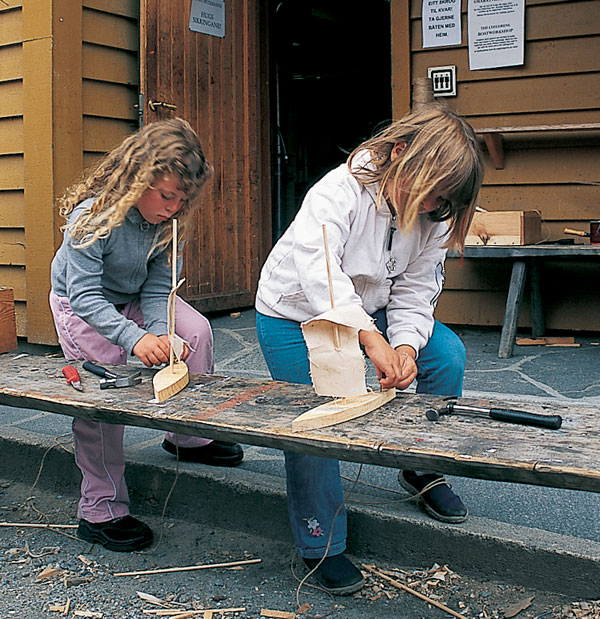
[180,614]
[173,285]
[189,568]
[336,333]
[38,526]
[402,586]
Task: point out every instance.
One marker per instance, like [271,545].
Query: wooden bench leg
[538,326]
[513,308]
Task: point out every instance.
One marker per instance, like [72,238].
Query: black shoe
[337,575]
[439,502]
[215,453]
[122,534]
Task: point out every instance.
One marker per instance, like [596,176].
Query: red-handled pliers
[72,376]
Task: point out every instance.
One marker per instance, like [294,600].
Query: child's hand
[152,350]
[395,368]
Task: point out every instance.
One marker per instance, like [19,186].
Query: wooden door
[219,85]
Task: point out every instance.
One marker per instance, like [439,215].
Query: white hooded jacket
[372,264]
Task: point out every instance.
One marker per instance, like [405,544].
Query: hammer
[551,422]
[110,379]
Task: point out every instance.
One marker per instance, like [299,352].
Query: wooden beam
[52,141]
[401,66]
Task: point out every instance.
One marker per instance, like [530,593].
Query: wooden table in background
[525,258]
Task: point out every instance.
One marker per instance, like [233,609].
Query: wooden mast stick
[174,377]
[336,333]
[173,285]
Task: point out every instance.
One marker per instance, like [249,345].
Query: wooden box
[8,323]
[505,228]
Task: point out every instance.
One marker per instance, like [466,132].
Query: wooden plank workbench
[260,412]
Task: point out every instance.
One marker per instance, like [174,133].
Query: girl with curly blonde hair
[110,284]
[390,212]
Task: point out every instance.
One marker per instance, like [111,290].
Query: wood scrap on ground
[188,568]
[567,341]
[277,614]
[403,587]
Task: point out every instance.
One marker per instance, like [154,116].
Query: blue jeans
[314,487]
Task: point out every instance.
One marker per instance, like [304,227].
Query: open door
[219,85]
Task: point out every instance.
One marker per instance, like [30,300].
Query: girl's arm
[154,294]
[83,279]
[414,295]
[333,205]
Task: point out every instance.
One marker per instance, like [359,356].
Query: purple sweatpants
[99,446]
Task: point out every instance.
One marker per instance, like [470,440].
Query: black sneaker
[337,575]
[215,453]
[439,502]
[123,534]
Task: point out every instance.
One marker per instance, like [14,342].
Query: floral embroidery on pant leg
[313,526]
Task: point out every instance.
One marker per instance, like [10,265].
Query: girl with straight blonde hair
[110,284]
[391,212]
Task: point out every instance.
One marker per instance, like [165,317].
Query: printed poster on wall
[441,23]
[496,33]
[208,17]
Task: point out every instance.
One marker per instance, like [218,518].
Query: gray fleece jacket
[114,271]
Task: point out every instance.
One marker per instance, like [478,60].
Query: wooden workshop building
[283,96]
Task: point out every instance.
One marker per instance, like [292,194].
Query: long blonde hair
[441,150]
[119,180]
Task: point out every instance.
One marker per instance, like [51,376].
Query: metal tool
[551,422]
[110,379]
[72,376]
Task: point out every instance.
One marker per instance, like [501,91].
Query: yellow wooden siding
[124,8]
[554,173]
[11,135]
[11,95]
[11,61]
[12,208]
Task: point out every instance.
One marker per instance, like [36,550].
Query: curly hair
[119,180]
[441,151]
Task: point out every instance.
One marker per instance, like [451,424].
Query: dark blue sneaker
[439,502]
[337,575]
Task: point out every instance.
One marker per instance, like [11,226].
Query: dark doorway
[330,89]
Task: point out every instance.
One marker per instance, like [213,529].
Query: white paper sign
[441,23]
[496,33]
[208,17]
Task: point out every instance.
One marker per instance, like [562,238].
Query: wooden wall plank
[100,135]
[66,102]
[110,30]
[401,60]
[109,64]
[123,100]
[543,166]
[548,57]
[125,8]
[12,209]
[13,276]
[11,30]
[11,61]
[11,136]
[553,201]
[543,22]
[12,247]
[11,95]
[38,174]
[524,119]
[523,95]
[11,172]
